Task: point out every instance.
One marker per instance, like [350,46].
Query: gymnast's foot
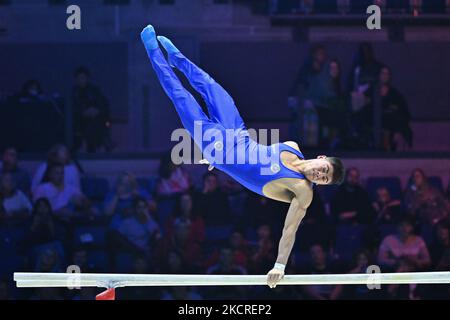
[148,36]
[168,45]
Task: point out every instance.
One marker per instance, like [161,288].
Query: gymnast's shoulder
[292,144]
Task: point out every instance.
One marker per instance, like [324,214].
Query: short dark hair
[338,170]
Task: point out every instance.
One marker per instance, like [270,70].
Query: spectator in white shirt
[16,206]
[10,164]
[59,154]
[65,200]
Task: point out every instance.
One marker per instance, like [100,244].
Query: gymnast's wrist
[279,266]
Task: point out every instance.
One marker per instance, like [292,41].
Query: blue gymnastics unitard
[251,164]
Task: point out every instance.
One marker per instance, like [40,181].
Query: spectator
[48,261]
[264,211]
[90,113]
[120,203]
[80,258]
[424,201]
[31,91]
[332,109]
[397,135]
[38,122]
[265,254]
[227,266]
[313,80]
[140,266]
[15,204]
[173,264]
[320,265]
[5,291]
[315,227]
[365,69]
[237,197]
[10,165]
[65,200]
[59,154]
[185,213]
[240,248]
[180,243]
[141,230]
[387,211]
[172,179]
[404,252]
[211,203]
[42,229]
[440,255]
[440,251]
[360,292]
[351,202]
[365,73]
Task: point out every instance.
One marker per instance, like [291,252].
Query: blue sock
[168,45]
[148,36]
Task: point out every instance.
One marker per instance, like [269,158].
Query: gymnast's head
[324,170]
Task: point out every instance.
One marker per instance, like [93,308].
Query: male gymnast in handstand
[289,181]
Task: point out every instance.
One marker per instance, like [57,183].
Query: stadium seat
[393,184]
[327,192]
[436,182]
[95,188]
[348,241]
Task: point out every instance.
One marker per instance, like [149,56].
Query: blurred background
[85,171]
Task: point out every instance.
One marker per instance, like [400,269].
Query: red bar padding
[109,294]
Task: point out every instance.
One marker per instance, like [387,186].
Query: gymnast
[289,178]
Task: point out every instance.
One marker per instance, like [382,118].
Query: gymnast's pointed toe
[148,36]
[168,45]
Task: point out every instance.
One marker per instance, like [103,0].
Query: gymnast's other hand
[274,276]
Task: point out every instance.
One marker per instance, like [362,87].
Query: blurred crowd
[364,112]
[57,216]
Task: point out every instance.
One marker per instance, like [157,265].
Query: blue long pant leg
[185,104]
[220,104]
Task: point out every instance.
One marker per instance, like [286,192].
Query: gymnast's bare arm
[296,213]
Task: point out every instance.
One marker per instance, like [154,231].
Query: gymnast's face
[318,171]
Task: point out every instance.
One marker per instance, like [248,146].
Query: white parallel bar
[137,280]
